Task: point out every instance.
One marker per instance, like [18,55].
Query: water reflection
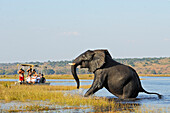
[11,80]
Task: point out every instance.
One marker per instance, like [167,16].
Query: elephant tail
[159,96]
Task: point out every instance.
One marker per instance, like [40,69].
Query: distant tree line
[8,72]
[62,67]
[131,61]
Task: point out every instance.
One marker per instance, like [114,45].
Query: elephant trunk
[73,70]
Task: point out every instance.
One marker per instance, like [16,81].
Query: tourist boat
[31,70]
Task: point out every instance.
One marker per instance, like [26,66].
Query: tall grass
[32,92]
[51,94]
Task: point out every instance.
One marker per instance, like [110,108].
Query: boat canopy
[31,65]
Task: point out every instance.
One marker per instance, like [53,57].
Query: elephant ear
[97,61]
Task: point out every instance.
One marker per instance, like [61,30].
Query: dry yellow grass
[51,94]
[155,75]
[9,92]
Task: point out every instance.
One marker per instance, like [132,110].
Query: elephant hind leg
[130,91]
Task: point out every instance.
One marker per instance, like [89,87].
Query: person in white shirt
[34,79]
[28,80]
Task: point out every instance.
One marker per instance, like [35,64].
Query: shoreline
[81,76]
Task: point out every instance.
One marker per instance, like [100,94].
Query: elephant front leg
[97,84]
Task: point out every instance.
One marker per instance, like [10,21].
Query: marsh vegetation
[52,94]
[26,98]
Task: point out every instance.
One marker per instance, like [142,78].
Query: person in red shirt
[21,75]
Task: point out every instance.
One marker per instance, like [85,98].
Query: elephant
[119,79]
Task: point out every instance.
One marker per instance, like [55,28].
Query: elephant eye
[83,56]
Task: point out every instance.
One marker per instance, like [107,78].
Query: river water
[160,85]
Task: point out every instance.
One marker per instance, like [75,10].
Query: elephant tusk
[72,64]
